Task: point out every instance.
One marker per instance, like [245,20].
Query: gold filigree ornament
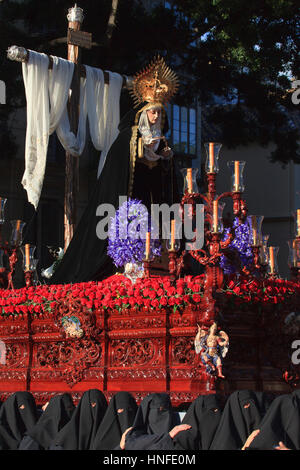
[156,83]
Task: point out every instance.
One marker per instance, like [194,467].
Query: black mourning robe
[86,258]
[54,418]
[18,415]
[79,433]
[242,414]
[204,416]
[281,423]
[153,422]
[119,416]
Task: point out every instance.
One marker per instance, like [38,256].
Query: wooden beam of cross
[76,39]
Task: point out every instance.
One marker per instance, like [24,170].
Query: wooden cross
[76,39]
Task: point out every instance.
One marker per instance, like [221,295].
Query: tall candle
[294,255]
[211,157]
[298,223]
[271,253]
[189,180]
[236,175]
[27,256]
[148,235]
[215,216]
[18,236]
[172,234]
[254,230]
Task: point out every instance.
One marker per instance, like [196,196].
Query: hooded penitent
[242,414]
[79,433]
[119,416]
[54,418]
[153,422]
[281,423]
[18,415]
[204,416]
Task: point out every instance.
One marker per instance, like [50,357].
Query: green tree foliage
[246,53]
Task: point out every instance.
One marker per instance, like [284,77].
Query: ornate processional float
[162,333]
[230,326]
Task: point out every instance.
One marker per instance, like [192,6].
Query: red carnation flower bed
[118,294]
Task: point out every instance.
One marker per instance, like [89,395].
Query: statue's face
[213,329]
[153,115]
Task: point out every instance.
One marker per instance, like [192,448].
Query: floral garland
[262,293]
[118,294]
[127,234]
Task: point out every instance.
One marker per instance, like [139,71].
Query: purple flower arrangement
[127,234]
[241,245]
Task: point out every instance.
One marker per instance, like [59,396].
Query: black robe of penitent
[57,414]
[79,433]
[18,415]
[242,414]
[203,415]
[153,422]
[119,416]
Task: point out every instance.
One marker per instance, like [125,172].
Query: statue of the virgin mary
[139,164]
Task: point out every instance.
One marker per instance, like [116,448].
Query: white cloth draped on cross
[47,94]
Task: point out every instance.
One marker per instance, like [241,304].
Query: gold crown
[156,83]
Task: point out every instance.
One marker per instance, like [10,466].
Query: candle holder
[237,181]
[173,247]
[2,207]
[294,258]
[263,258]
[148,258]
[211,186]
[217,217]
[212,157]
[28,278]
[17,232]
[15,242]
[189,177]
[296,215]
[273,270]
[255,222]
[209,257]
[28,257]
[13,258]
[264,251]
[35,279]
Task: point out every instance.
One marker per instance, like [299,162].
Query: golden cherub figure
[213,347]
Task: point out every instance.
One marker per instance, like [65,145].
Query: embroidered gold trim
[140,148]
[133,145]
